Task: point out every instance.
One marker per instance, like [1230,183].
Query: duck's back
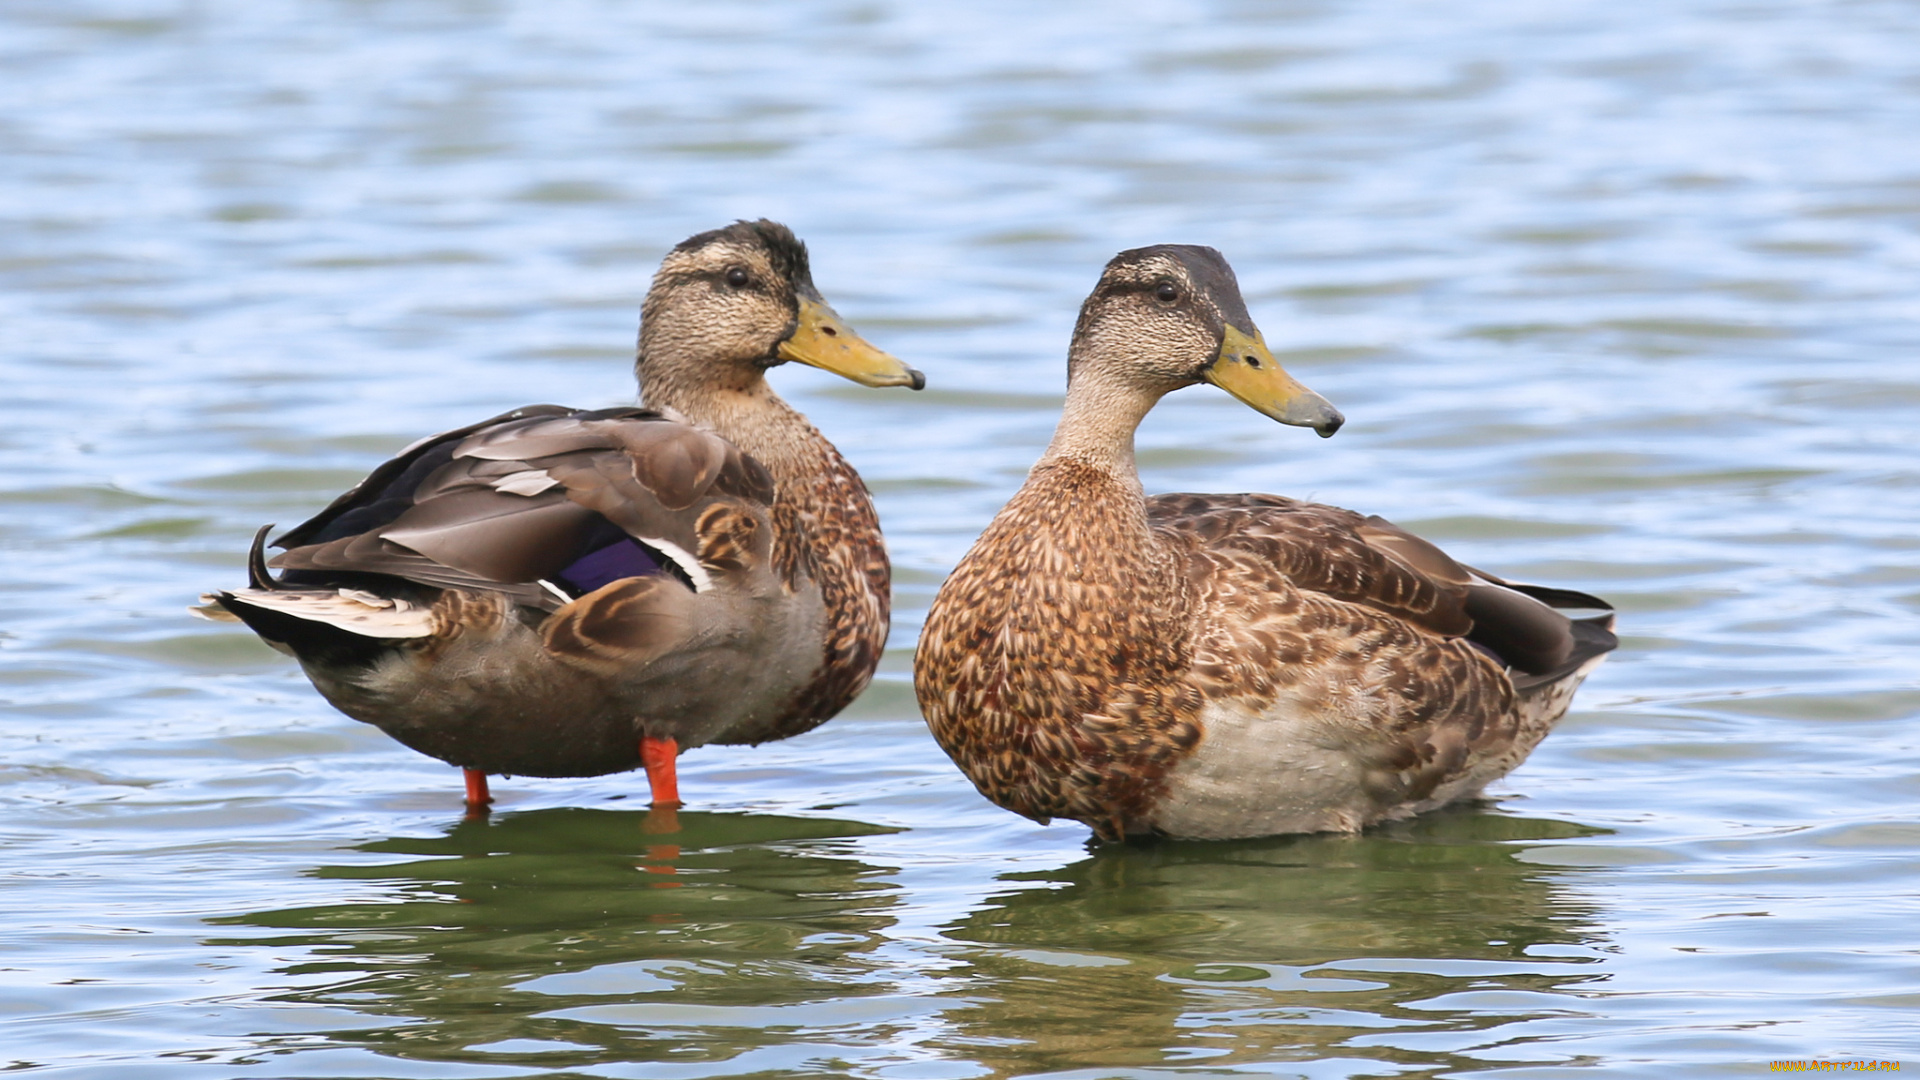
[543,504]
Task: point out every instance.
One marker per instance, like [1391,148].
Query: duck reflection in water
[511,931]
[524,941]
[1249,953]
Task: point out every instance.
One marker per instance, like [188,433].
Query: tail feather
[332,627]
[352,611]
[1593,639]
[258,575]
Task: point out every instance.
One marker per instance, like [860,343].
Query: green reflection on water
[748,944]
[494,930]
[1291,949]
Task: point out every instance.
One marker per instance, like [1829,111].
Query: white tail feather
[352,610]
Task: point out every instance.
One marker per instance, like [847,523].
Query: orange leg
[477,795]
[658,755]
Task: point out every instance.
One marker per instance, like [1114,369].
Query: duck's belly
[533,721]
[1280,769]
[536,742]
[504,705]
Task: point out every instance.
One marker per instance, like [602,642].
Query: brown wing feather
[502,505]
[676,463]
[493,536]
[1417,707]
[1328,550]
[390,480]
[1372,562]
[731,539]
[622,626]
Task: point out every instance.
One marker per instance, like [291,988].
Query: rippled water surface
[1620,297]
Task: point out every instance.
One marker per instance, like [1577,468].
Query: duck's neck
[1096,432]
[1082,512]
[747,413]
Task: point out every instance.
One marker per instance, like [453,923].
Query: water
[1616,297]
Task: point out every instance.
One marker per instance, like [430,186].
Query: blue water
[1615,297]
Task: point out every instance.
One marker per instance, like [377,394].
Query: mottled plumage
[545,591]
[1223,665]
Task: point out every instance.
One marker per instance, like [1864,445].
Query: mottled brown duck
[1217,666]
[569,592]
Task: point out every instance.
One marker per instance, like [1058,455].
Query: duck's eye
[1167,292]
[737,277]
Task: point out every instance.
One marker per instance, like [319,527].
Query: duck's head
[1170,316]
[730,303]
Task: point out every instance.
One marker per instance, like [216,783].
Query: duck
[1201,666]
[575,592]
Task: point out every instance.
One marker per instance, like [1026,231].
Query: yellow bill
[1247,370]
[825,342]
